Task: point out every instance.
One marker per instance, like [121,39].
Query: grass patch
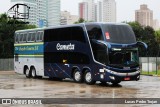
[151,73]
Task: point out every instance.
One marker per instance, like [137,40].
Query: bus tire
[27,72]
[77,76]
[88,78]
[33,72]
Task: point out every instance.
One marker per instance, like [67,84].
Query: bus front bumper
[116,76]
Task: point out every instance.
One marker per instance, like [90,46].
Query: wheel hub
[77,76]
[27,72]
[88,77]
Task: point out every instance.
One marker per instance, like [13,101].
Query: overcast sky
[125,8]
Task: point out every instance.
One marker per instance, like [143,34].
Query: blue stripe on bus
[29,49]
[62,70]
[52,70]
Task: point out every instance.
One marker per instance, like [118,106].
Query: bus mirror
[144,45]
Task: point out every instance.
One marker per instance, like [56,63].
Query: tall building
[87,10]
[42,12]
[67,18]
[103,10]
[106,11]
[54,13]
[144,16]
[83,10]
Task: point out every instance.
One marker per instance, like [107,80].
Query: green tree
[147,35]
[138,30]
[157,34]
[150,38]
[81,20]
[7,29]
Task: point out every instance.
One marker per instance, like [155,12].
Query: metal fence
[6,64]
[149,65]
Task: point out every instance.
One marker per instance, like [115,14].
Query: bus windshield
[124,57]
[122,34]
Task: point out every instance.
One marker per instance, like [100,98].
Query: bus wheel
[88,78]
[27,73]
[33,72]
[77,76]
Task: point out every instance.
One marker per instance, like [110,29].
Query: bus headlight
[102,76]
[112,77]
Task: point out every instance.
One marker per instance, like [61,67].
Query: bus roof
[72,25]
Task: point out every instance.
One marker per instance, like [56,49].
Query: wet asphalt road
[18,86]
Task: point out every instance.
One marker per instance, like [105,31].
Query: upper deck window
[65,34]
[94,32]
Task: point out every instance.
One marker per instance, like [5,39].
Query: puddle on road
[19,86]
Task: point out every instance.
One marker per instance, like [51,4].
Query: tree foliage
[7,29]
[81,20]
[147,35]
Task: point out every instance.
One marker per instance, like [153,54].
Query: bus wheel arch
[33,72]
[77,75]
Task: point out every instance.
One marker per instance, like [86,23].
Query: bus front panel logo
[65,47]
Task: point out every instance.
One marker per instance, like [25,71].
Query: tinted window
[119,34]
[30,37]
[33,37]
[69,57]
[16,57]
[99,52]
[17,38]
[21,37]
[39,36]
[94,32]
[25,37]
[65,34]
[78,34]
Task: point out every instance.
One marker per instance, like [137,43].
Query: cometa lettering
[65,47]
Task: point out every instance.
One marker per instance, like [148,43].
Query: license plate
[127,78]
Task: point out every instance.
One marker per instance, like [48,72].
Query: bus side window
[29,37]
[16,57]
[100,53]
[78,34]
[25,37]
[21,37]
[94,32]
[33,37]
[39,37]
[17,38]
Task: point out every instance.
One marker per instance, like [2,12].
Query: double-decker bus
[87,52]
